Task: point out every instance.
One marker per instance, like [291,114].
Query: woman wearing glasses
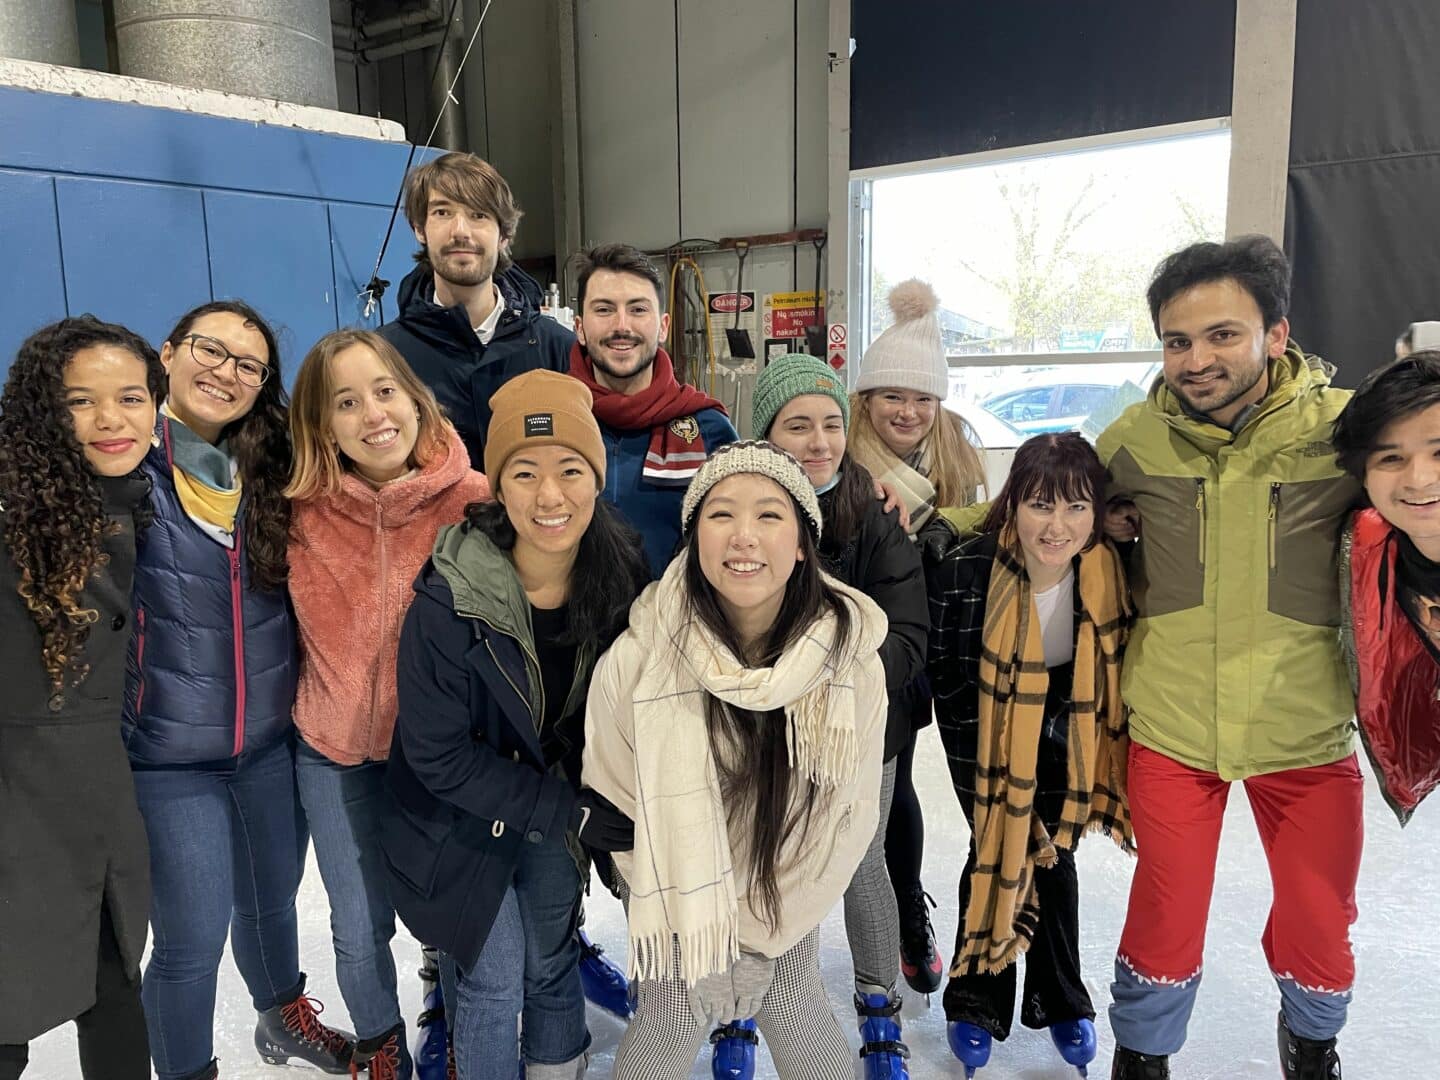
[208,704]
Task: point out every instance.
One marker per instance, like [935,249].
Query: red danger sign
[729,302]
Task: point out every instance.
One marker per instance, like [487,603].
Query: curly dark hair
[1253,262]
[260,441]
[55,520]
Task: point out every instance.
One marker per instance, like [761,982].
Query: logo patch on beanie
[822,383]
[538,424]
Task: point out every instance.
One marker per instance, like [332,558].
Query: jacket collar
[482,581]
[401,500]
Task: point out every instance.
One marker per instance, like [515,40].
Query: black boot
[385,1057]
[920,961]
[1306,1059]
[293,1029]
[1133,1065]
[209,1072]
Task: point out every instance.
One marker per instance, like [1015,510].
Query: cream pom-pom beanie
[909,354]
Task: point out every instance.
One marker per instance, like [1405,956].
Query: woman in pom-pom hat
[902,434]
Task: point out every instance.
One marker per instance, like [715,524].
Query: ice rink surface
[1393,1034]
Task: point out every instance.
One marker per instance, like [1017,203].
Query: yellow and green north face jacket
[1234,665]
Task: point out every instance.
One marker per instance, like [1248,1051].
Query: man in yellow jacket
[1234,669]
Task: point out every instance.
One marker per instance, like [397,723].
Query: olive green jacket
[1234,665]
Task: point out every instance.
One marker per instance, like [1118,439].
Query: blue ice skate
[1075,1039]
[604,983]
[733,1057]
[881,1051]
[970,1044]
[431,1041]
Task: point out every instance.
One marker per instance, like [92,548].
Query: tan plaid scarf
[1010,839]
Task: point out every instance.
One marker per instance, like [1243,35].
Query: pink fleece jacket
[353,559]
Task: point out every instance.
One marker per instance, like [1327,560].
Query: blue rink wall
[136,214]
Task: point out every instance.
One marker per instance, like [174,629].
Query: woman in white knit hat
[740,723]
[908,440]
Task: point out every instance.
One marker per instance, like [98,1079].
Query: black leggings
[113,1041]
[905,835]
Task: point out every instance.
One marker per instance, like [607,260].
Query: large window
[1041,257]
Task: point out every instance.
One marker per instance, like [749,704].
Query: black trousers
[905,832]
[113,1041]
[1054,992]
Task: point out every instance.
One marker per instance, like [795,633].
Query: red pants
[1310,823]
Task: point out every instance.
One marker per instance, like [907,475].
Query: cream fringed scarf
[682,884]
[909,480]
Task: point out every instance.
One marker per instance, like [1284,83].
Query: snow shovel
[741,347]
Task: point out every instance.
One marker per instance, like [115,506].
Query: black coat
[71,836]
[467,773]
[440,344]
[881,562]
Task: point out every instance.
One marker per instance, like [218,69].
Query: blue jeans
[529,968]
[345,805]
[227,851]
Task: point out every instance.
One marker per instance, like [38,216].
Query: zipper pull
[1274,501]
[1200,494]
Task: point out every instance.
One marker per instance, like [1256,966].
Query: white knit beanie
[752,456]
[909,355]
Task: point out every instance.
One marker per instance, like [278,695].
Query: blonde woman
[901,432]
[378,470]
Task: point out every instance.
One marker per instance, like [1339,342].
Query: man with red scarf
[1388,438]
[657,430]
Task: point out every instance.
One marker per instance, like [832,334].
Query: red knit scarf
[667,407]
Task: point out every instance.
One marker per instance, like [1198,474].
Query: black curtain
[1362,223]
[936,78]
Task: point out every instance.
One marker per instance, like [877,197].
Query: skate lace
[452,1072]
[302,1017]
[915,920]
[384,1065]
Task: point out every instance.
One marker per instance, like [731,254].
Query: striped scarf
[1010,839]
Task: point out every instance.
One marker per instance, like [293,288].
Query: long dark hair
[55,520]
[260,441]
[609,572]
[853,496]
[1061,467]
[760,792]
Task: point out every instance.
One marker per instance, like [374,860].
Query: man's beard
[1207,407]
[616,373]
[481,269]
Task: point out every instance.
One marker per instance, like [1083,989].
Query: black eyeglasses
[210,353]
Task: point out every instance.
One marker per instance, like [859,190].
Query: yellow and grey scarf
[207,479]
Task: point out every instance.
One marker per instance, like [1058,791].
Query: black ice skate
[293,1029]
[1133,1065]
[920,961]
[1306,1059]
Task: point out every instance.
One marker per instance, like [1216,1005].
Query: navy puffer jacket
[213,663]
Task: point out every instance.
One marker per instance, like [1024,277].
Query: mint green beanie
[789,377]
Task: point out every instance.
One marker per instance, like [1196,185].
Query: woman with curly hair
[208,703]
[75,422]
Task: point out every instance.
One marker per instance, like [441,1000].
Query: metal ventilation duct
[263,48]
[42,30]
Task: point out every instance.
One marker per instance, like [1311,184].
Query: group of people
[484,607]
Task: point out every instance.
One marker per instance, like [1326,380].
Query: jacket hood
[482,579]
[416,295]
[401,500]
[1292,374]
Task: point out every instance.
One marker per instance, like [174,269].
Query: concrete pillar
[278,49]
[42,30]
[1260,117]
[842,271]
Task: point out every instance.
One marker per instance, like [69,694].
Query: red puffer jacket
[1397,681]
